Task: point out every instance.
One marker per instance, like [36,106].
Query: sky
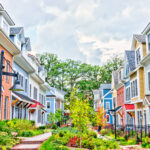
[92,31]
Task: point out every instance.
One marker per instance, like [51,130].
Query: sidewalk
[32,143]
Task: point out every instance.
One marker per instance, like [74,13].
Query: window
[128,94]
[149,81]
[134,88]
[7,70]
[107,105]
[39,116]
[127,69]
[48,105]
[107,119]
[30,90]
[5,108]
[139,113]
[138,56]
[26,84]
[35,93]
[21,81]
[149,42]
[120,75]
[5,27]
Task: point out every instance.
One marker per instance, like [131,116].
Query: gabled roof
[131,59]
[140,38]
[15,30]
[147,28]
[105,86]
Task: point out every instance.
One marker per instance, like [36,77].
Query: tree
[100,117]
[58,115]
[79,112]
[67,74]
[51,118]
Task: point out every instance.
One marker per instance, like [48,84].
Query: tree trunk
[80,140]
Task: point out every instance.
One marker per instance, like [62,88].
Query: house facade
[54,101]
[10,50]
[106,102]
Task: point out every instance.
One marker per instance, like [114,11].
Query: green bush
[41,127]
[29,133]
[54,126]
[106,132]
[146,142]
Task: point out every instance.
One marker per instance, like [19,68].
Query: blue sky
[92,31]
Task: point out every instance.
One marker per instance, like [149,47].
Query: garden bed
[63,138]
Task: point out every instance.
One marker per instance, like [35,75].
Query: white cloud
[87,30]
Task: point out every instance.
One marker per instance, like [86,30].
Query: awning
[36,104]
[22,97]
[129,106]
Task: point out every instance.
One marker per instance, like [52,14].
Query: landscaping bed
[63,138]
[11,130]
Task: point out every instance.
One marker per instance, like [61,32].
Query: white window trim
[147,48]
[137,88]
[106,105]
[140,47]
[147,80]
[47,103]
[25,78]
[125,93]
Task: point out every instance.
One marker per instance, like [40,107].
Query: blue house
[54,101]
[106,101]
[21,100]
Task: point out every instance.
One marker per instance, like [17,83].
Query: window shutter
[149,80]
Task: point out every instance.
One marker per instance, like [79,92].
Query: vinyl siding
[142,83]
[144,50]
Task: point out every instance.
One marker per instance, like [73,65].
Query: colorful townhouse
[37,89]
[145,62]
[54,101]
[21,101]
[106,102]
[129,65]
[10,50]
[96,99]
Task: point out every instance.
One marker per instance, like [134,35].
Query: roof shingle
[140,38]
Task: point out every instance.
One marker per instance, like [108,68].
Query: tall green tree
[79,112]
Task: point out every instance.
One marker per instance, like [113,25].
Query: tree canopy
[67,74]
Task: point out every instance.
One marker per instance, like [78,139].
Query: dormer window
[138,56]
[5,27]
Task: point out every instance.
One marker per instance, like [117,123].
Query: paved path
[32,143]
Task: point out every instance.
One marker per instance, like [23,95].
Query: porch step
[32,143]
[26,147]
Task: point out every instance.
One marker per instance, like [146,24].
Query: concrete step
[26,147]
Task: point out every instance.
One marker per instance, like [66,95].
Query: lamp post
[115,118]
[13,88]
[141,126]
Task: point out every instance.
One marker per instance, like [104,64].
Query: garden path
[32,143]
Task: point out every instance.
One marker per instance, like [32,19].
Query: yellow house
[137,78]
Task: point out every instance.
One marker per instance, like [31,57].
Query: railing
[139,131]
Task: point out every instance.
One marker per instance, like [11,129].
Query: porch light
[16,86]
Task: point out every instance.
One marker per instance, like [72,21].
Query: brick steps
[32,143]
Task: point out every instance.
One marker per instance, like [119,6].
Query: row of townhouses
[129,92]
[34,101]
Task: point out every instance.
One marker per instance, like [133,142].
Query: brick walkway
[32,143]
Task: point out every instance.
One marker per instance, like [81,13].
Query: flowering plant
[73,142]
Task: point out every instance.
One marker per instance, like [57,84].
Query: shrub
[41,127]
[54,126]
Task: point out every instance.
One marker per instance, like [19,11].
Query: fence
[133,130]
